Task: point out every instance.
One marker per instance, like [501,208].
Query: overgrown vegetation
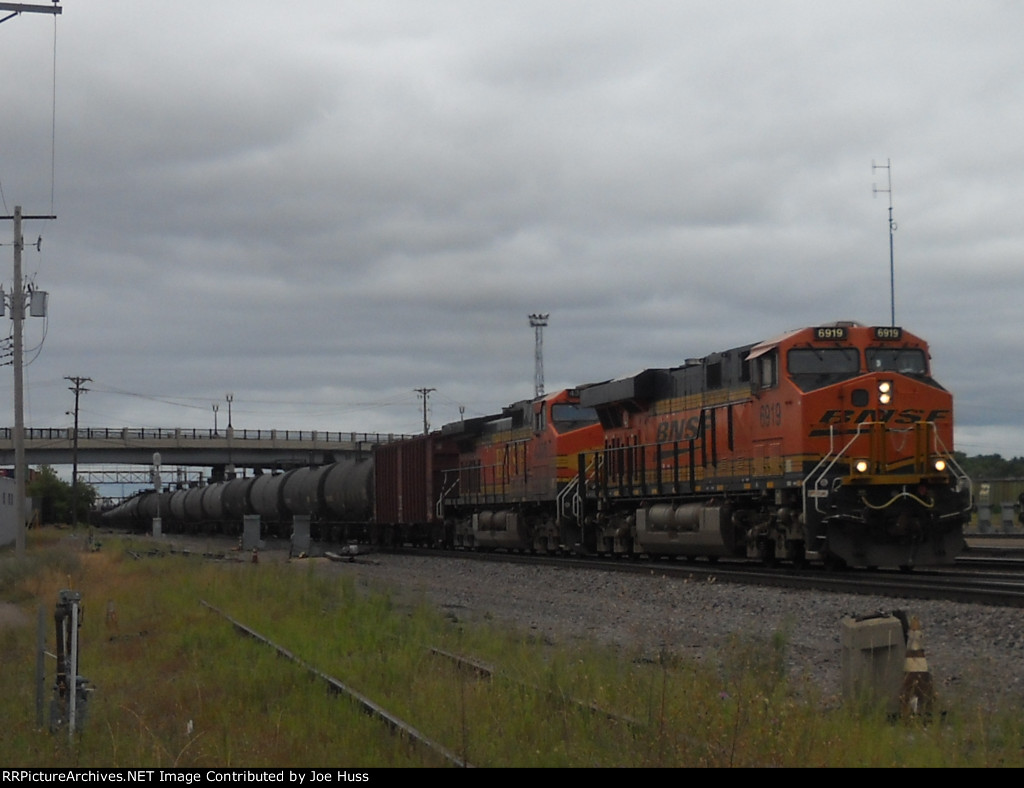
[177,686]
[57,499]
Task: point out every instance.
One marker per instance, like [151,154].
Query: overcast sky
[321,206]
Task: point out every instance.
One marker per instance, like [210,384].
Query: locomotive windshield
[813,368]
[906,361]
[570,416]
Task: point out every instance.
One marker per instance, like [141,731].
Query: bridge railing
[177,433]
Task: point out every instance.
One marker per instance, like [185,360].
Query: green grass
[164,660]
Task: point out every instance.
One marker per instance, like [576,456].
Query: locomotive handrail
[960,474]
[832,457]
[817,484]
[571,493]
[445,492]
[577,499]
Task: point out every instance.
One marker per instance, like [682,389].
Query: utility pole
[18,314]
[78,389]
[424,392]
[17,301]
[538,322]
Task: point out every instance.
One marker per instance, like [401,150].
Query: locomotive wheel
[796,553]
[833,563]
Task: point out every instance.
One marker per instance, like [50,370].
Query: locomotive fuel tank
[688,529]
[504,529]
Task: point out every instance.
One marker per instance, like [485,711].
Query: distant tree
[991,466]
[53,497]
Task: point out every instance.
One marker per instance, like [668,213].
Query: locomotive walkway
[266,449]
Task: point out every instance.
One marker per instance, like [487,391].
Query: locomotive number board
[840,333]
[830,332]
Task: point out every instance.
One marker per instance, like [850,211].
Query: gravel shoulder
[974,652]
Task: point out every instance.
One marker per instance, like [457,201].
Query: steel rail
[394,723]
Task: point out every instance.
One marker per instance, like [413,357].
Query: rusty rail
[334,685]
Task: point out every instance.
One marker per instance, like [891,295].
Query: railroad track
[980,577]
[1004,589]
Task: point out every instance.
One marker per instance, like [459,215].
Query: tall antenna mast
[538,321]
[892,228]
[25,8]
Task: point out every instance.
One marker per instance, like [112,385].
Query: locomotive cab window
[814,368]
[906,361]
[568,416]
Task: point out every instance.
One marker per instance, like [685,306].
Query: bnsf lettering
[908,416]
[679,430]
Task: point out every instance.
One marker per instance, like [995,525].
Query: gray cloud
[322,207]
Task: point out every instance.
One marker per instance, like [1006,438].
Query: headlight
[860,466]
[939,465]
[885,392]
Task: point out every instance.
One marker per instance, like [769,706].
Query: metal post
[17,315]
[73,669]
[40,665]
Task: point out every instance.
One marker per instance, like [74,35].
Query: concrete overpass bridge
[217,450]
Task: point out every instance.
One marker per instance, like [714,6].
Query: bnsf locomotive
[831,442]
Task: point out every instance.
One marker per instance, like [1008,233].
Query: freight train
[831,443]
